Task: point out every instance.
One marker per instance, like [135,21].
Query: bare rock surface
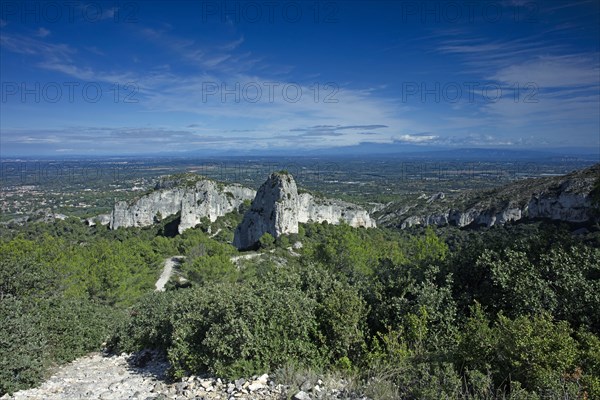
[274,210]
[278,208]
[142,376]
[565,198]
[191,195]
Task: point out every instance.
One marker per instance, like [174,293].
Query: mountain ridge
[568,198]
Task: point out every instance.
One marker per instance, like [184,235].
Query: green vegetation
[266,241]
[429,315]
[187,179]
[509,312]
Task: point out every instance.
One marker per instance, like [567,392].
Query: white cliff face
[313,209]
[205,198]
[566,198]
[274,210]
[481,217]
[147,209]
[278,208]
[573,207]
[208,200]
[102,219]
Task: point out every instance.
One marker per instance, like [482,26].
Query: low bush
[36,334]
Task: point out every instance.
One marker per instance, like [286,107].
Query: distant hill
[574,197]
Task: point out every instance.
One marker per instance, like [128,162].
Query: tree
[267,241]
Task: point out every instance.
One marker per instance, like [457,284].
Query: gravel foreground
[142,376]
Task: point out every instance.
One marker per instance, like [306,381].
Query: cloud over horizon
[176,84]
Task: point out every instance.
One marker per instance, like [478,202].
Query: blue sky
[123,77]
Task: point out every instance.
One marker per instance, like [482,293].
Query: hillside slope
[567,198]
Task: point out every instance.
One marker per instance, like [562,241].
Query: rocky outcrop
[212,200]
[194,199]
[569,201]
[312,209]
[465,218]
[278,208]
[143,375]
[567,198]
[274,210]
[148,209]
[45,215]
[102,219]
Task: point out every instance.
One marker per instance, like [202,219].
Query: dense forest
[508,312]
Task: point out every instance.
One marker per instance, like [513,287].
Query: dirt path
[102,377]
[170,263]
[142,376]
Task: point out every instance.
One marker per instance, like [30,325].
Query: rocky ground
[142,376]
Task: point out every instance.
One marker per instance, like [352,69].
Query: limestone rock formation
[567,198]
[148,209]
[207,199]
[102,219]
[193,197]
[278,208]
[313,209]
[274,210]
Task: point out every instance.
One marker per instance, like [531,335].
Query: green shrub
[534,351]
[341,314]
[266,241]
[36,334]
[148,324]
[22,346]
[74,327]
[234,329]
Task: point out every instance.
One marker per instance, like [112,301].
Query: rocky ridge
[566,198]
[142,376]
[314,209]
[45,215]
[192,196]
[278,208]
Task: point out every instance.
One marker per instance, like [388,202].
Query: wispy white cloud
[60,57]
[336,130]
[203,56]
[545,88]
[42,32]
[96,11]
[562,71]
[418,138]
[191,84]
[95,50]
[277,121]
[33,47]
[483,54]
